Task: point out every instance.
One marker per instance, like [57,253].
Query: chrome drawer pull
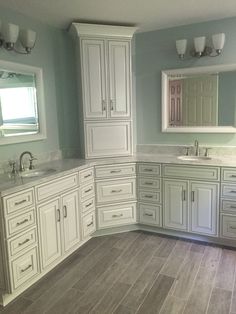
[232,191]
[233,175]
[116,191]
[148,196]
[148,183]
[149,215]
[86,191]
[20,202]
[87,176]
[183,195]
[148,169]
[89,204]
[22,222]
[28,267]
[115,171]
[233,206]
[65,211]
[232,227]
[58,215]
[193,194]
[90,224]
[24,242]
[117,216]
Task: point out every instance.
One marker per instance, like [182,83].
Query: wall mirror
[199,100]
[22,112]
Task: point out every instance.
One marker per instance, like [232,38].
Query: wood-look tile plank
[173,305]
[121,309]
[226,269]
[165,248]
[126,239]
[219,301]
[18,306]
[198,248]
[211,257]
[156,296]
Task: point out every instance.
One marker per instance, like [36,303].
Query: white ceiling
[146,14]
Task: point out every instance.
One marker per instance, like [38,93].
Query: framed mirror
[199,100]
[22,111]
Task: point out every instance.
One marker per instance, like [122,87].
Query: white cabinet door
[204,207]
[175,204]
[119,78]
[70,207]
[94,78]
[50,238]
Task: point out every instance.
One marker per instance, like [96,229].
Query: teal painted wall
[155,51]
[54,53]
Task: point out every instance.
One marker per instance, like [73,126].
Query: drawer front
[150,214]
[88,224]
[193,172]
[24,268]
[228,191]
[118,190]
[20,223]
[86,175]
[22,242]
[18,201]
[228,175]
[228,226]
[228,206]
[149,169]
[116,215]
[56,187]
[87,191]
[115,171]
[146,182]
[88,205]
[150,196]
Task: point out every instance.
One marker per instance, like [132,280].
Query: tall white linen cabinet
[104,89]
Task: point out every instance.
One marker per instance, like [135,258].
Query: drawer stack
[115,195]
[149,194]
[19,217]
[228,203]
[87,201]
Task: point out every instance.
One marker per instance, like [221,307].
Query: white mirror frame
[38,72]
[197,70]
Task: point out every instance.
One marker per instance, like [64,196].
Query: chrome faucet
[32,158]
[196,145]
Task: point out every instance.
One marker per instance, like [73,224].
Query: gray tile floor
[136,272]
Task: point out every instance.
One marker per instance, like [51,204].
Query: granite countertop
[10,185]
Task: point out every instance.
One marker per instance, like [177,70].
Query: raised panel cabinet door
[70,208]
[204,207]
[119,78]
[49,216]
[175,204]
[94,78]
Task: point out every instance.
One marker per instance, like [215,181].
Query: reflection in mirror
[22,112]
[18,104]
[199,99]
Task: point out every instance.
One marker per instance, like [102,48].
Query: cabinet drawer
[228,191]
[228,206]
[228,226]
[116,215]
[115,171]
[24,268]
[150,214]
[87,191]
[18,201]
[20,222]
[22,242]
[147,182]
[88,205]
[193,172]
[147,168]
[86,175]
[150,196]
[88,224]
[228,175]
[117,190]
[56,186]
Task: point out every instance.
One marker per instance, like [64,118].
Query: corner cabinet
[105,83]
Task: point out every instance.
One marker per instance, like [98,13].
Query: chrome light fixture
[200,48]
[10,35]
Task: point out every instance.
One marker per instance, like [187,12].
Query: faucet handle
[207,151]
[187,151]
[31,166]
[12,164]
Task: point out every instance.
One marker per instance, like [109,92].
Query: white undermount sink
[36,173]
[194,158]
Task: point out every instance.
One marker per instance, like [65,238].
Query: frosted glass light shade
[218,41]
[181,46]
[10,33]
[27,39]
[199,43]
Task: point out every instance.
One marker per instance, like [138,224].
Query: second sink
[194,158]
[36,173]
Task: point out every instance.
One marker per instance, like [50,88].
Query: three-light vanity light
[11,35]
[200,48]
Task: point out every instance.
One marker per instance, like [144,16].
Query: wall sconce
[9,35]
[200,48]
